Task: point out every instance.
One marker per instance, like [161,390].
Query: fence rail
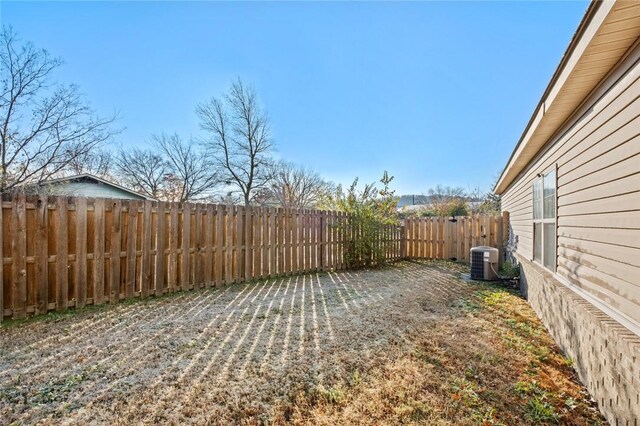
[61,252]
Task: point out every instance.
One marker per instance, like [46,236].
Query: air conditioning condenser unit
[484,263]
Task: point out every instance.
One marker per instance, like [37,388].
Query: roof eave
[569,87]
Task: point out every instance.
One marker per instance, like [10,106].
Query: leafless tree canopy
[238,139]
[95,162]
[171,170]
[43,126]
[144,171]
[294,186]
[191,172]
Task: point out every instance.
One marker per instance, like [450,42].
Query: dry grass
[408,344]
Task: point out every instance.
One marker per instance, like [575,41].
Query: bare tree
[95,162]
[239,140]
[43,126]
[191,172]
[295,186]
[144,171]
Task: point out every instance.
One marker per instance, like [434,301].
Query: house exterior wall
[605,354]
[91,189]
[591,304]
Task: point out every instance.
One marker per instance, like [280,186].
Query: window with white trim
[544,220]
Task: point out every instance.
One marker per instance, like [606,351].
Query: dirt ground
[411,343]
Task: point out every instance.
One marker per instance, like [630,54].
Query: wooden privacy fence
[61,252]
[452,238]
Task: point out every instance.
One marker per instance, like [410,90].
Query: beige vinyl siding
[597,156]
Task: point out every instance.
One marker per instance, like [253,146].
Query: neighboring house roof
[104,188]
[607,32]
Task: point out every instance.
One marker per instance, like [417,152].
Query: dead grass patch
[408,344]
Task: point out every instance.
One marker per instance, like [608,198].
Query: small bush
[370,212]
[509,270]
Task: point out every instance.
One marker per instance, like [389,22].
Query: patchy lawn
[412,343]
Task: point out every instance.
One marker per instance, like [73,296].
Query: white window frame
[548,220]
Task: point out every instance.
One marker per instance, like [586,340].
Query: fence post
[321,243]
[403,240]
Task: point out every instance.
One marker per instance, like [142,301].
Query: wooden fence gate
[452,238]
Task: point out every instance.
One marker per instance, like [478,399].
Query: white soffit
[606,33]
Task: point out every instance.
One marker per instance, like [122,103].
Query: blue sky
[433,92]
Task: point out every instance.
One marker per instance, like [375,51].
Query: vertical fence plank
[486,226]
[311,240]
[288,241]
[248,243]
[239,228]
[219,267]
[228,254]
[198,281]
[433,239]
[174,242]
[422,237]
[316,238]
[294,241]
[334,238]
[474,231]
[307,241]
[145,267]
[185,279]
[322,238]
[18,254]
[410,238]
[62,258]
[257,242]
[98,250]
[328,242]
[265,242]
[208,245]
[428,224]
[132,232]
[272,242]
[279,241]
[160,242]
[441,237]
[114,288]
[41,253]
[81,253]
[416,237]
[227,259]
[465,239]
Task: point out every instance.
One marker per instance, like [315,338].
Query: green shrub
[510,270]
[370,212]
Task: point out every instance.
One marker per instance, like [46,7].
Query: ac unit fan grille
[477,265]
